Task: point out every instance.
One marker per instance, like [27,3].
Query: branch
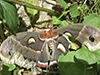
[34,7]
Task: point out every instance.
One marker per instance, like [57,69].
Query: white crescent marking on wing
[93,48]
[61,47]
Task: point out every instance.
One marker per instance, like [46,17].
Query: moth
[30,49]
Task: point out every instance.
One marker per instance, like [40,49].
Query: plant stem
[34,7]
[15,72]
[63,14]
[1,32]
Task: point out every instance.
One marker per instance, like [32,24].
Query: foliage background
[79,62]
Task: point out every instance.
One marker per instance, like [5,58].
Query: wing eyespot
[91,38]
[68,33]
[61,47]
[30,41]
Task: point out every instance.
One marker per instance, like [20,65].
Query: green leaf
[1,13]
[98,65]
[69,65]
[65,61]
[64,23]
[69,57]
[59,22]
[73,46]
[63,3]
[32,12]
[5,71]
[29,10]
[86,56]
[74,10]
[10,15]
[92,19]
[71,39]
[55,20]
[11,66]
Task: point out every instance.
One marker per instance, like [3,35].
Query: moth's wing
[72,29]
[19,50]
[61,46]
[45,56]
[85,34]
[91,37]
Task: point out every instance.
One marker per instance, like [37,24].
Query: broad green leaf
[69,65]
[11,66]
[63,3]
[91,70]
[69,57]
[9,14]
[87,56]
[92,19]
[5,71]
[98,65]
[74,10]
[1,13]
